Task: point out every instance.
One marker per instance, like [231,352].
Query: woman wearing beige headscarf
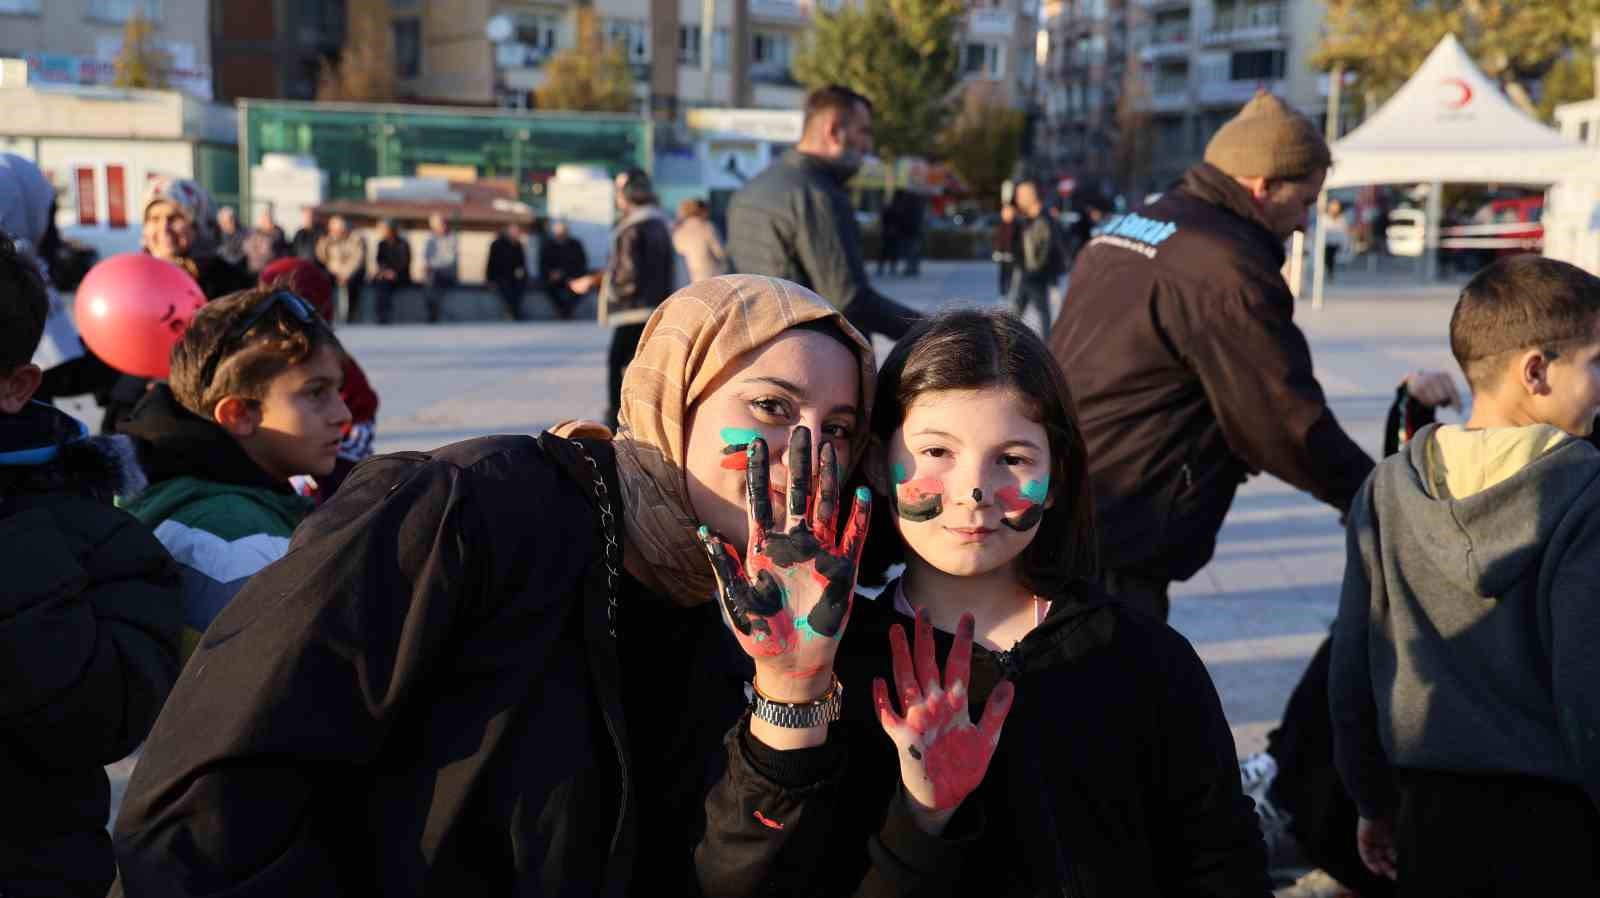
[495,668]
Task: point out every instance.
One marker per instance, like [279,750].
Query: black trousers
[511,290]
[384,291]
[1005,278]
[873,314]
[624,342]
[438,283]
[1028,293]
[1472,835]
[1308,786]
[563,299]
[352,290]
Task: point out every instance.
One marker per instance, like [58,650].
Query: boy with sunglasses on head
[252,400]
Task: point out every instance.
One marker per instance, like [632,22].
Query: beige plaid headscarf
[692,337]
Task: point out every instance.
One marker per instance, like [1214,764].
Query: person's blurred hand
[1433,389]
[1375,842]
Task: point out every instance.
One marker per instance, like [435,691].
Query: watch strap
[798,715]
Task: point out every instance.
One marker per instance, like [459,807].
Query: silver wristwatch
[797,716]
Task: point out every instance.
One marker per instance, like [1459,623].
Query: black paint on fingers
[758,483]
[799,464]
[827,510]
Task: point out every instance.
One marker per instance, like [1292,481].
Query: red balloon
[133,308]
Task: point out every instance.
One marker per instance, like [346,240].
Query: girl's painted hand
[789,601]
[943,756]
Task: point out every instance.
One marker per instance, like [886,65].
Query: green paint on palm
[803,627]
[900,475]
[739,436]
[1037,490]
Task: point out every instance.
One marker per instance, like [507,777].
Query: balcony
[1245,24]
[793,12]
[991,23]
[776,75]
[1163,5]
[1234,93]
[1165,42]
[1169,99]
[519,56]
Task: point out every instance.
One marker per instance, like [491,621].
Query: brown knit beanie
[1267,139]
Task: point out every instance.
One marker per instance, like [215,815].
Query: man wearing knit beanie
[1178,341]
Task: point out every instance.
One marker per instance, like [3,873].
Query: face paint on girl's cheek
[737,440]
[1025,504]
[917,500]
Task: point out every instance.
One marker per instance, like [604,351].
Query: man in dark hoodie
[1463,680]
[89,620]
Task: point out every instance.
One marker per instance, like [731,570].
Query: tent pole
[1319,244]
[1430,234]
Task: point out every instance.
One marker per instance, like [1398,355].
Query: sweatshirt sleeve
[297,684]
[1206,832]
[1357,747]
[1573,632]
[88,666]
[1255,366]
[786,822]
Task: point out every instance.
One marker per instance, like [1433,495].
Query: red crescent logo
[1465,96]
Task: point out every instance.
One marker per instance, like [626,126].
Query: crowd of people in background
[629,656]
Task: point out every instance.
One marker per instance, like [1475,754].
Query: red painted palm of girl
[943,756]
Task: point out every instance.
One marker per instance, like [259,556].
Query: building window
[83,188]
[688,44]
[633,36]
[19,6]
[407,47]
[122,10]
[542,33]
[770,54]
[1256,65]
[770,49]
[116,196]
[983,60]
[719,48]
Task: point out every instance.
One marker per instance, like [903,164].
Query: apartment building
[273,49]
[77,41]
[1187,66]
[493,52]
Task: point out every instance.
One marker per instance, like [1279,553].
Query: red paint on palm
[943,756]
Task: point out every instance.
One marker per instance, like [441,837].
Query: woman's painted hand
[943,756]
[789,600]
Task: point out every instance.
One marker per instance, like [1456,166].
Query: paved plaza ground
[1256,613]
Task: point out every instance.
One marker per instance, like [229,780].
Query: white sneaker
[1256,774]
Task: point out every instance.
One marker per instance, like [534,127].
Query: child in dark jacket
[89,620]
[1463,672]
[252,402]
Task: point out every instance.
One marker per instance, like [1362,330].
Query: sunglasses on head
[298,308]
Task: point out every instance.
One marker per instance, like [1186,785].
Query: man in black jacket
[639,275]
[561,258]
[795,220]
[508,269]
[1179,343]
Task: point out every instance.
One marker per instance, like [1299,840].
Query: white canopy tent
[1448,124]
